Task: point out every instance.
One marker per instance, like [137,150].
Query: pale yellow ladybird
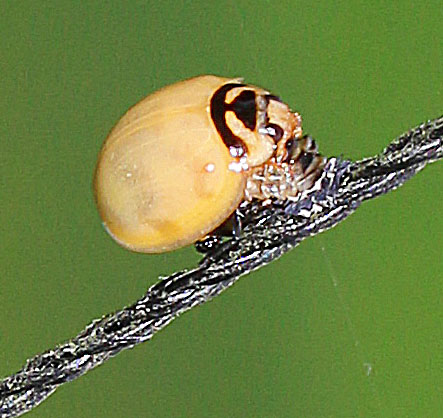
[176,165]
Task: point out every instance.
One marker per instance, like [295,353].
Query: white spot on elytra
[210,167]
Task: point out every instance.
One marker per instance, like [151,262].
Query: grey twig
[268,232]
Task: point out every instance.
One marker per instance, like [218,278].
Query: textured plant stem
[268,232]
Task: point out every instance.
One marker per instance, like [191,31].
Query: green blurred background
[347,325]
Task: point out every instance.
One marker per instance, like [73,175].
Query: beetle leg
[208,243]
[229,228]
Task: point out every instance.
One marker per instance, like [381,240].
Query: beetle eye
[291,145]
[274,131]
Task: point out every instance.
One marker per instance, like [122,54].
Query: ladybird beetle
[178,164]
